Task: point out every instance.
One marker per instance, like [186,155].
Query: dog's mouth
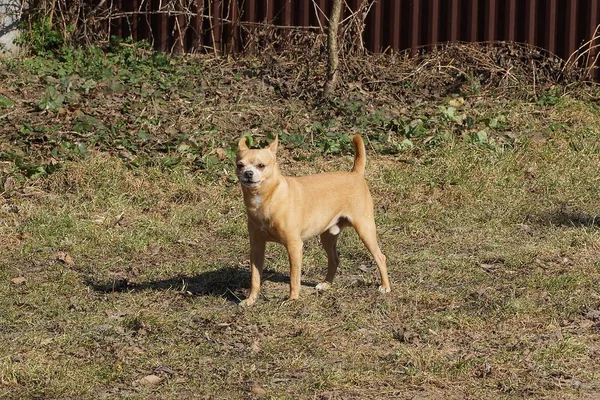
[249,183]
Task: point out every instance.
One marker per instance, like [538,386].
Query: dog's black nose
[248,174]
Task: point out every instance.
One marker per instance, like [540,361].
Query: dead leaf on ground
[257,390]
[20,280]
[365,268]
[255,347]
[484,370]
[9,184]
[23,236]
[64,257]
[593,315]
[98,219]
[403,335]
[132,351]
[121,221]
[586,324]
[221,154]
[489,267]
[457,102]
[149,380]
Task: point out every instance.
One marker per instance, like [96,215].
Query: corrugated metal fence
[560,26]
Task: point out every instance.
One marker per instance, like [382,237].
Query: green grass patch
[125,251]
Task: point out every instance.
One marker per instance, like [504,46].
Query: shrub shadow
[227,282]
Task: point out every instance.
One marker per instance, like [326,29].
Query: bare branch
[332,47]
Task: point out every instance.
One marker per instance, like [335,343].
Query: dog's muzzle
[247,179]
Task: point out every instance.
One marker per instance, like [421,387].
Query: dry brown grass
[494,274]
[133,264]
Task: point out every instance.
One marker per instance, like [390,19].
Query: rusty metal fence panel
[560,26]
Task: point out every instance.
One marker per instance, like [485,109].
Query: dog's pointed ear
[242,144]
[273,145]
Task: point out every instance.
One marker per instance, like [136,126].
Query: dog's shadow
[228,282]
[565,217]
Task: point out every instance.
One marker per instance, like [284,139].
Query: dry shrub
[295,56]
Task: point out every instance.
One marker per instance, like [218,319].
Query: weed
[42,39]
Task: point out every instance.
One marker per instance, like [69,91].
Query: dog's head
[255,166]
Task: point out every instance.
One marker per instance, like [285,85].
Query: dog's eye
[240,165]
[261,166]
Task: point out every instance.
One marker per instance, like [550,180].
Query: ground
[125,252]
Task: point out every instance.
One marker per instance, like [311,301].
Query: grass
[492,244]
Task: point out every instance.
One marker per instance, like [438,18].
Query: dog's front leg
[257,261]
[294,248]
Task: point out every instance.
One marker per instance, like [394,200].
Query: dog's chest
[261,219]
[255,203]
[256,211]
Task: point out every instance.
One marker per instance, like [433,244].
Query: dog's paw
[384,289]
[247,302]
[323,286]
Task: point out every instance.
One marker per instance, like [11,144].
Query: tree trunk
[332,47]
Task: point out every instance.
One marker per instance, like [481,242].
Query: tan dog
[289,210]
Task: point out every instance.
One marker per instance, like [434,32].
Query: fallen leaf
[586,324]
[403,335]
[19,280]
[22,236]
[255,347]
[9,184]
[65,258]
[257,390]
[458,102]
[488,267]
[5,102]
[120,220]
[98,219]
[221,154]
[166,370]
[134,350]
[364,268]
[484,370]
[593,315]
[149,380]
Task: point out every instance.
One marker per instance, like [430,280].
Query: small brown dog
[290,210]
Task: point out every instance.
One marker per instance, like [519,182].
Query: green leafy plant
[5,102]
[87,123]
[550,97]
[42,38]
[52,100]
[453,115]
[497,122]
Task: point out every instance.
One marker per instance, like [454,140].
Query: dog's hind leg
[365,227]
[329,242]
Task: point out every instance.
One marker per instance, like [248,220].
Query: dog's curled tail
[360,155]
